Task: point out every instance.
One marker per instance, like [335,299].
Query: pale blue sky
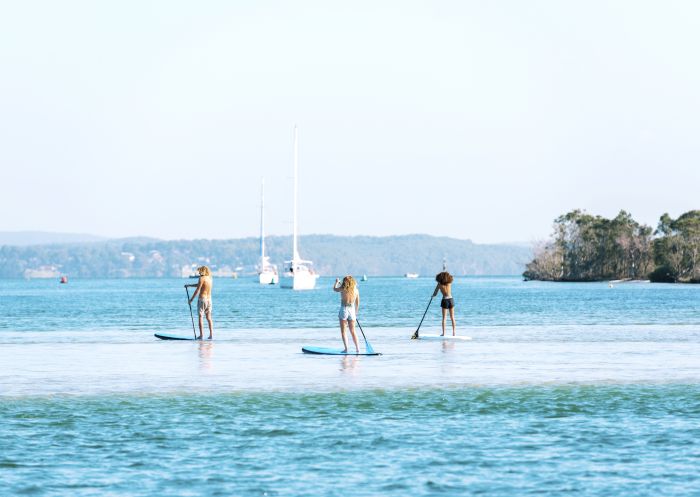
[481,120]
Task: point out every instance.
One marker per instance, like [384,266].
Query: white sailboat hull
[301,281]
[268,278]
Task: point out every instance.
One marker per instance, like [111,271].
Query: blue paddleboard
[327,351]
[172,337]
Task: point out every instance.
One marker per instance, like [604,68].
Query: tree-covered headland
[584,247]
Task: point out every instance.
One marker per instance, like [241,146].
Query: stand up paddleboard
[172,337]
[326,351]
[443,337]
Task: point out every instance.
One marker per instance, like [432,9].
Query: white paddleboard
[421,336]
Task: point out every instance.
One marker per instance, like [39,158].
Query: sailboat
[267,273]
[298,274]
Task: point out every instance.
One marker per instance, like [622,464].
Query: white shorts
[204,306]
[347,313]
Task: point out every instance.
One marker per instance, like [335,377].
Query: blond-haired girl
[204,302]
[349,307]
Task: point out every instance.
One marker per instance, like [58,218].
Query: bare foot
[210,338]
[199,337]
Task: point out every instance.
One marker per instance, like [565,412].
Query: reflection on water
[348,364]
[206,351]
[448,346]
[271,360]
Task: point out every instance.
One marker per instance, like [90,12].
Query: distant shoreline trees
[592,248]
[332,255]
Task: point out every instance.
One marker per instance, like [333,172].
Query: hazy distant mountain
[23,238]
[332,255]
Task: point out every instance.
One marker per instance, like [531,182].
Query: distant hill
[332,255]
[23,238]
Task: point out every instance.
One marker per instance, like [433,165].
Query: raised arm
[199,287]
[336,286]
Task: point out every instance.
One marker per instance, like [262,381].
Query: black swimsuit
[447,303]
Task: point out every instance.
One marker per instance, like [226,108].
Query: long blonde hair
[349,286]
[204,271]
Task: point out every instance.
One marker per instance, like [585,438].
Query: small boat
[63,280]
[267,273]
[411,275]
[364,277]
[298,274]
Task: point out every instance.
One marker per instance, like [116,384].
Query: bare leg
[342,335]
[211,325]
[200,327]
[351,325]
[444,316]
[452,317]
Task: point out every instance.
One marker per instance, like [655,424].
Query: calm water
[160,304]
[564,389]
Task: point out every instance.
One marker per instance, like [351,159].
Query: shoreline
[624,280]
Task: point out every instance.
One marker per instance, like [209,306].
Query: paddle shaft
[191,315]
[415,335]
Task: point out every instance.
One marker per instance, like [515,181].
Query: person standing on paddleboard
[349,308]
[204,302]
[444,285]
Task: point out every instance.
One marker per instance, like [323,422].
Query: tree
[593,248]
[677,248]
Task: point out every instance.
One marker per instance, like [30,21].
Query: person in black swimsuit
[444,285]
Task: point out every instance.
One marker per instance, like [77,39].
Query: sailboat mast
[262,224]
[295,253]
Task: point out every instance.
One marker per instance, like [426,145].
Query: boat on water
[298,273]
[267,272]
[411,275]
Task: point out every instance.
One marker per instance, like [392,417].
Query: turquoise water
[506,441]
[564,389]
[160,304]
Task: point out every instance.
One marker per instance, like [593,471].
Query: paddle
[191,315]
[368,347]
[415,335]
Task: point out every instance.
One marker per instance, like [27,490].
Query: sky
[470,119]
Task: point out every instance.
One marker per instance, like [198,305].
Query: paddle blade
[415,335]
[368,347]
